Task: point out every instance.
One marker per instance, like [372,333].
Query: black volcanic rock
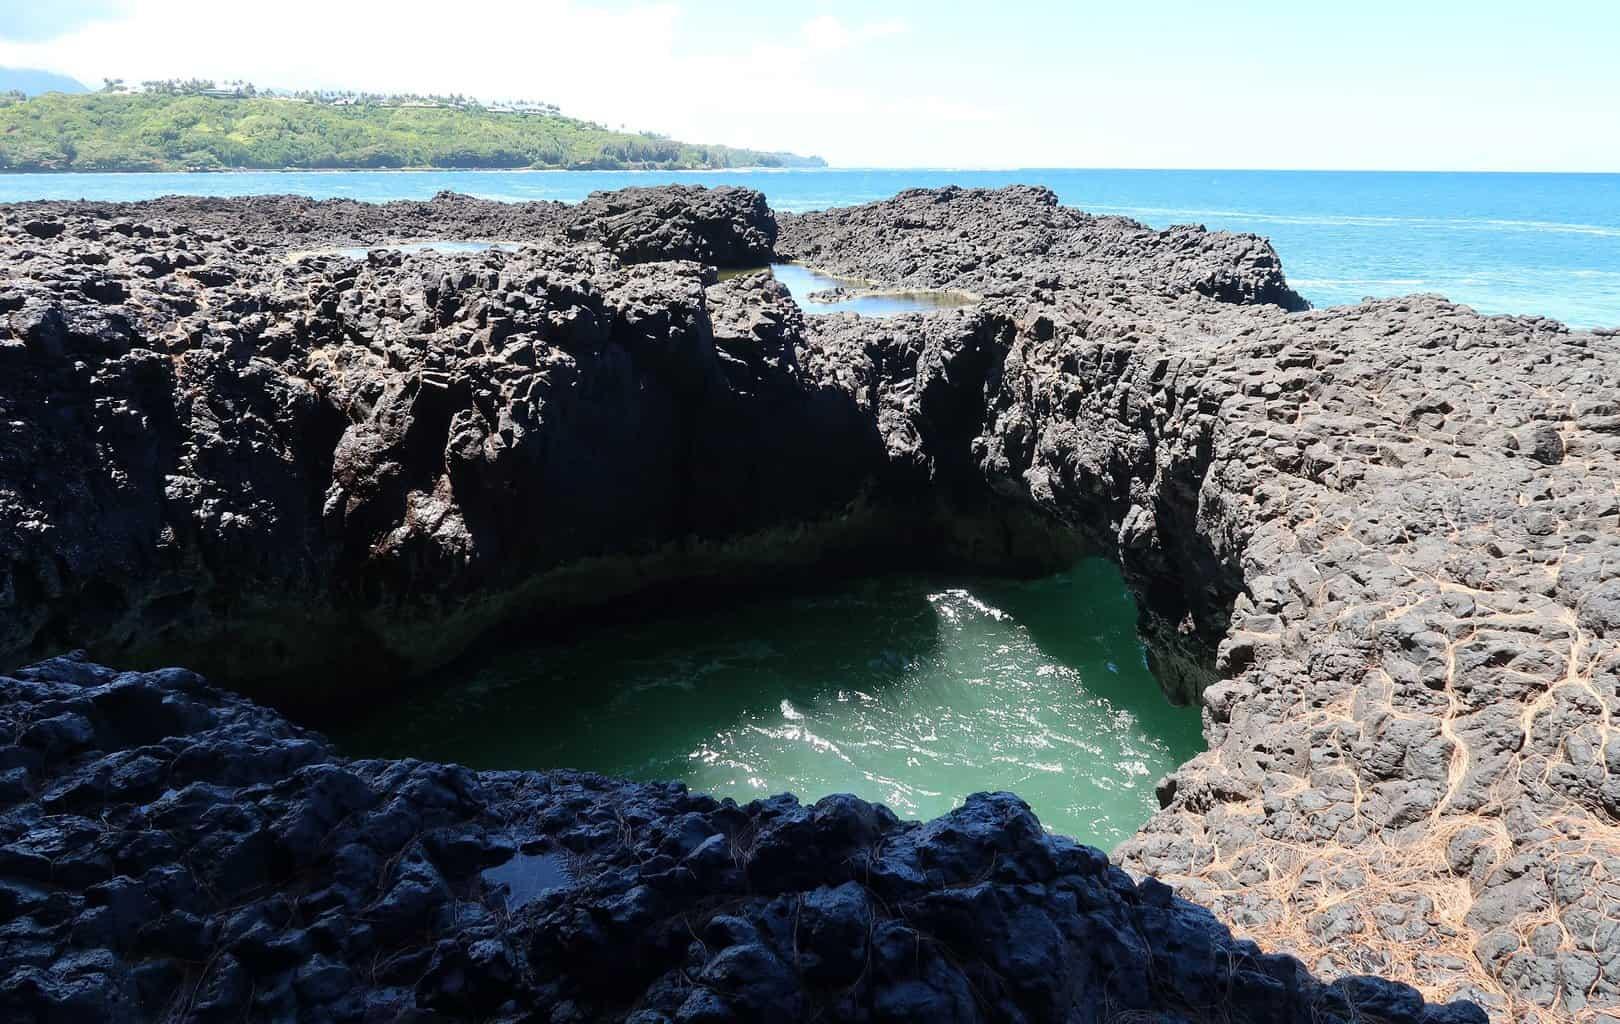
[43,228]
[724,226]
[327,466]
[1378,543]
[250,873]
[1018,240]
[443,428]
[291,223]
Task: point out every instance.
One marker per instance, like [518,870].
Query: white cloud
[643,67]
[1109,86]
[473,47]
[828,32]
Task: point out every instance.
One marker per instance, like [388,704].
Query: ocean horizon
[1504,242]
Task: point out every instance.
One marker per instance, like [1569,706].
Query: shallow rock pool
[818,293]
[914,691]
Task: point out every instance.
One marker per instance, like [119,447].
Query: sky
[1313,84]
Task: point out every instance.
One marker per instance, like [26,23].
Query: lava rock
[1376,542]
[724,226]
[978,914]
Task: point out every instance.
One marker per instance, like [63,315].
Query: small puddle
[811,288]
[528,875]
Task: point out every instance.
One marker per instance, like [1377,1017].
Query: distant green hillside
[167,132]
[31,82]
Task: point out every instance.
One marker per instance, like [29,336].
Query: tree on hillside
[180,124]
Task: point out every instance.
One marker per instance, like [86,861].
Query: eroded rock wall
[1019,241]
[293,469]
[1381,543]
[1398,527]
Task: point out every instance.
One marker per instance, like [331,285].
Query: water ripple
[899,690]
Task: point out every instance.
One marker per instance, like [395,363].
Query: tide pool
[913,691]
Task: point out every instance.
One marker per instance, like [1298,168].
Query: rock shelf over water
[1380,544]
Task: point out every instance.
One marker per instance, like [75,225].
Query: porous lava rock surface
[317,462]
[288,223]
[172,852]
[1018,240]
[1380,544]
[725,226]
[1399,524]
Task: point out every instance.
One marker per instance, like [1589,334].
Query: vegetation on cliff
[158,130]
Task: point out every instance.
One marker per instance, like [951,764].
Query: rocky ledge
[1399,525]
[1380,544]
[1018,241]
[169,851]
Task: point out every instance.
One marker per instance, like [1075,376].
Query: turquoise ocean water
[1503,243]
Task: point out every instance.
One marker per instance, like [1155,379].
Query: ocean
[1546,244]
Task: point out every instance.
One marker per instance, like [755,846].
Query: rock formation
[1378,543]
[363,465]
[168,851]
[1398,523]
[726,226]
[1018,240]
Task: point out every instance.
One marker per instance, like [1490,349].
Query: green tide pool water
[913,691]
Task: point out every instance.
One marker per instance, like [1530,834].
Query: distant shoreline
[182,129]
[225,171]
[12,172]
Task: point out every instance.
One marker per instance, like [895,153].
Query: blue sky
[1487,85]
